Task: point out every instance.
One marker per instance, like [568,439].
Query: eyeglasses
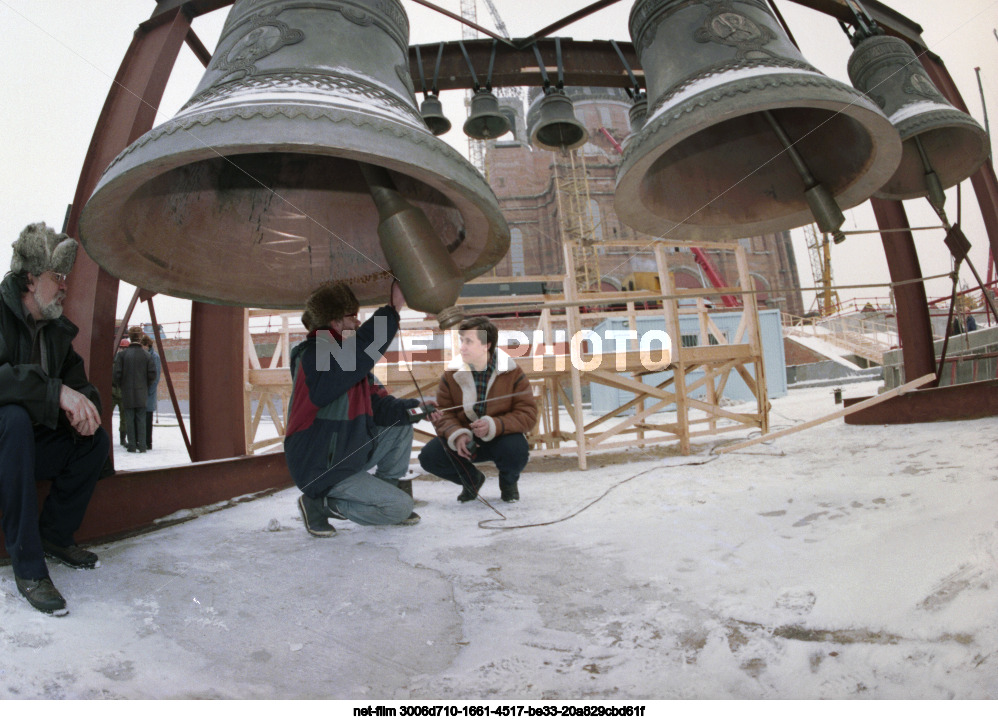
[59,278]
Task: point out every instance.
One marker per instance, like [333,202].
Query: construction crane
[476,148]
[496,18]
[469,11]
[506,92]
[819,251]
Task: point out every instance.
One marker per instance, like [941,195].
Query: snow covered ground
[842,562]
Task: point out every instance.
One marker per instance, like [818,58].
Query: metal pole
[984,107]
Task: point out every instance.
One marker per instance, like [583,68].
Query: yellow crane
[819,251]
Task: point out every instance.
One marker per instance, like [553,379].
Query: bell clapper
[426,272]
[935,194]
[826,211]
[450,317]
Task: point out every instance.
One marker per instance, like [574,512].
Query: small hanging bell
[432,111]
[485,122]
[552,122]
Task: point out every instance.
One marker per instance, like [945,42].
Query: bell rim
[137,165]
[961,123]
[883,162]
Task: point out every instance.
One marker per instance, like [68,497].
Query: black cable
[486,522]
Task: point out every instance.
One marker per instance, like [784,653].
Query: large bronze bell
[255,192]
[485,122]
[551,122]
[941,145]
[743,136]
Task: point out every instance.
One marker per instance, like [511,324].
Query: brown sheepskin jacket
[510,406]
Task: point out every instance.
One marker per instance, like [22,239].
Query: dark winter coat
[334,414]
[29,385]
[152,399]
[134,370]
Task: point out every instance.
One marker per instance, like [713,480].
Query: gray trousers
[375,500]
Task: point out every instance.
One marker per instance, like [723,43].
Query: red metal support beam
[930,405]
[128,112]
[914,326]
[984,181]
[216,382]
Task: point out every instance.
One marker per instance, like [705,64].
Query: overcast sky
[60,56]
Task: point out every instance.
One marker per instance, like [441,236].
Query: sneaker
[470,492]
[42,595]
[510,494]
[313,513]
[73,556]
[412,520]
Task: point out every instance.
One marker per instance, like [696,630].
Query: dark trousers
[149,429]
[28,454]
[134,420]
[509,452]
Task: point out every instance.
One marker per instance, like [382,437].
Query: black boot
[471,487]
[510,493]
[42,595]
[313,513]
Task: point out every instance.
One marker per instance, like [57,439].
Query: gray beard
[51,311]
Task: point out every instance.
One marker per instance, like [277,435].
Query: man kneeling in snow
[488,408]
[342,422]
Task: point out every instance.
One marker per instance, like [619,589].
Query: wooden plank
[631,421]
[717,353]
[900,390]
[626,384]
[718,411]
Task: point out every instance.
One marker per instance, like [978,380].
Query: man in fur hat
[49,417]
[342,422]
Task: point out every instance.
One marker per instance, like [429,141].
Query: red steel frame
[130,500]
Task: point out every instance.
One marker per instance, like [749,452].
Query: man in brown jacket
[487,408]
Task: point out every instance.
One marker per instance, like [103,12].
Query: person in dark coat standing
[152,398]
[116,398]
[49,418]
[134,370]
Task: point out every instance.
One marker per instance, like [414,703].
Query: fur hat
[40,248]
[330,301]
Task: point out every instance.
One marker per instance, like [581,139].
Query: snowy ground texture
[841,562]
